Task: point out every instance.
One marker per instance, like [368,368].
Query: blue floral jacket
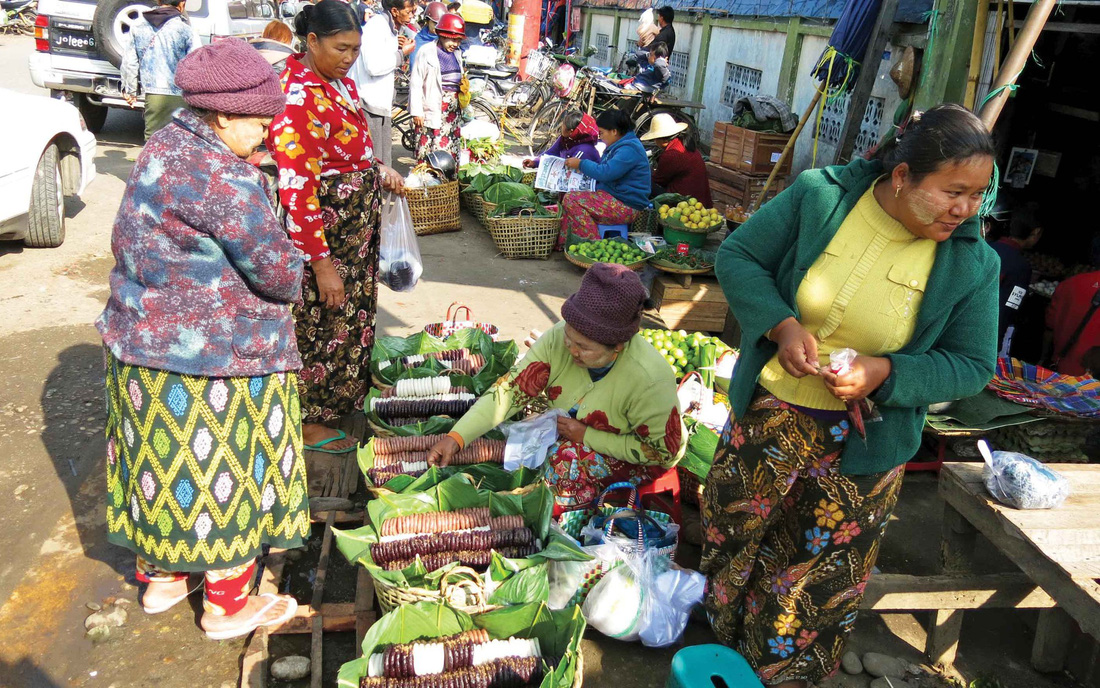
[204,272]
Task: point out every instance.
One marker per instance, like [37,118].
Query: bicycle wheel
[479,109]
[523,101]
[546,125]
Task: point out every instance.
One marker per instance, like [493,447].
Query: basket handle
[467,580]
[631,500]
[640,518]
[460,307]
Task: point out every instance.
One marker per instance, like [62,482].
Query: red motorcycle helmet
[435,11]
[451,25]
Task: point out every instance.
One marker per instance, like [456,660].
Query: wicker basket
[461,588]
[528,178]
[645,222]
[691,490]
[525,236]
[434,209]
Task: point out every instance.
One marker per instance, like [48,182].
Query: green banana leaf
[535,504]
[487,476]
[558,632]
[499,357]
[699,456]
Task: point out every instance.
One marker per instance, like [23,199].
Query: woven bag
[434,209]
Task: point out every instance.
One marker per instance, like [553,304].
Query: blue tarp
[909,11]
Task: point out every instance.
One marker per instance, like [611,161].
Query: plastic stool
[668,483]
[711,666]
[612,230]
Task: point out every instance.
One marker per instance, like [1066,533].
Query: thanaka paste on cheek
[924,206]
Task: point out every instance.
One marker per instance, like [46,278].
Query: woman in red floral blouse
[330,185]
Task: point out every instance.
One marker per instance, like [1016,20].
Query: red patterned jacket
[318,135]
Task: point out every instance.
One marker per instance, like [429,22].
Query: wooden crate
[753,152]
[729,188]
[718,141]
[700,306]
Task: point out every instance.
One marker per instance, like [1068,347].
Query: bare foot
[160,596]
[313,433]
[213,623]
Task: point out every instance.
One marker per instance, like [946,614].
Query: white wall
[761,50]
[602,23]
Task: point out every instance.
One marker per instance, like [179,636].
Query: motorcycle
[18,16]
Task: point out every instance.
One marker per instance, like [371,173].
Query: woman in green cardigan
[623,422]
[884,257]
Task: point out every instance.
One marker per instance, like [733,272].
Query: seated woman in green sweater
[884,257]
[623,424]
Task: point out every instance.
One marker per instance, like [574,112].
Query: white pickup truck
[79,44]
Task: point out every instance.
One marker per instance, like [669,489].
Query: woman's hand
[529,163]
[443,451]
[392,180]
[532,337]
[329,285]
[405,44]
[570,429]
[864,376]
[573,163]
[797,348]
[418,121]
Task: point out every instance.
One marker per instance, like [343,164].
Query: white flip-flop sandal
[170,603]
[256,621]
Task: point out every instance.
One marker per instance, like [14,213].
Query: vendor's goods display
[451,323]
[588,253]
[683,261]
[687,352]
[394,456]
[1021,481]
[465,536]
[690,215]
[429,645]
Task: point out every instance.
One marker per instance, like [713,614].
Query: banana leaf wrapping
[511,581]
[702,444]
[559,634]
[499,357]
[486,476]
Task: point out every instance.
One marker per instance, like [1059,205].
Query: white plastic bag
[670,595]
[1021,481]
[528,441]
[614,606]
[570,581]
[399,264]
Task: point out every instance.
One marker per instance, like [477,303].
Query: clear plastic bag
[399,263]
[528,441]
[1021,481]
[671,592]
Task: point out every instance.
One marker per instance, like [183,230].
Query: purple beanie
[230,76]
[608,306]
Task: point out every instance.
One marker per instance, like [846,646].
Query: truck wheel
[47,216]
[111,24]
[94,115]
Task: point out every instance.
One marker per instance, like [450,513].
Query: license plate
[72,41]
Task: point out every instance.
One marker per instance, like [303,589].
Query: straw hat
[903,71]
[662,127]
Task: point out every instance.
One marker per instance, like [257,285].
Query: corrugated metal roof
[909,11]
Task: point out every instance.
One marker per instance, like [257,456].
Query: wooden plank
[364,603]
[334,617]
[1080,598]
[957,542]
[1053,634]
[942,642]
[341,516]
[254,663]
[892,592]
[315,604]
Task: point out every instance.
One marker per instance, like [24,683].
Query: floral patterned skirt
[789,542]
[446,137]
[201,472]
[335,344]
[577,475]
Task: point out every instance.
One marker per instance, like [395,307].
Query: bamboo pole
[998,27]
[981,25]
[1016,59]
[786,150]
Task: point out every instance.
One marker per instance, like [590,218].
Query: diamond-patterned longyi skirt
[201,472]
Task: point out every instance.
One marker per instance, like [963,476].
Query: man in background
[383,52]
[666,33]
[159,39]
[1024,232]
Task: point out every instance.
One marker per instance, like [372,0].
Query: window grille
[740,81]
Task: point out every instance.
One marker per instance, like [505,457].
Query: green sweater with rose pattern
[632,413]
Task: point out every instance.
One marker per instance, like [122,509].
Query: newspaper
[553,175]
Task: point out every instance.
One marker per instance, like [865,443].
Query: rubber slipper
[170,603]
[256,621]
[341,435]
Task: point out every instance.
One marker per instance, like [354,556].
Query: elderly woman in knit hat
[623,424]
[204,446]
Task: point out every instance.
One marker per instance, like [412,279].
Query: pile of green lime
[608,251]
[685,352]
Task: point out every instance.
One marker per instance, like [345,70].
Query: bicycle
[19,17]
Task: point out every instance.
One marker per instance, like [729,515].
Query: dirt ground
[56,559]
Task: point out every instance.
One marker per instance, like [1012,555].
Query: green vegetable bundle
[505,192]
[694,259]
[480,177]
[702,444]
[559,634]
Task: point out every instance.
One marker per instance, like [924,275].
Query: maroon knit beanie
[230,76]
[608,306]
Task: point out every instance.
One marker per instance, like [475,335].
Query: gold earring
[897,191]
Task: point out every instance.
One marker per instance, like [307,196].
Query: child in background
[433,90]
[658,73]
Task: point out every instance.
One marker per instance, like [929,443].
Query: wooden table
[1057,549]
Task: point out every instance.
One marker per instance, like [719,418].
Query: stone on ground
[108,616]
[878,664]
[850,663]
[290,668]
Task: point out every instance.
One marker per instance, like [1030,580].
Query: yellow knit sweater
[863,292]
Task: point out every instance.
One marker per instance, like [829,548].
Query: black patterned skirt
[335,344]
